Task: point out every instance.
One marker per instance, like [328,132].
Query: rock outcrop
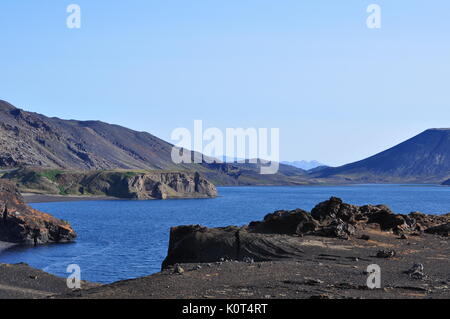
[443,230]
[277,236]
[120,184]
[24,225]
[156,185]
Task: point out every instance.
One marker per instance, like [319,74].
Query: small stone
[416,272]
[418,275]
[312,281]
[178,269]
[365,237]
[386,253]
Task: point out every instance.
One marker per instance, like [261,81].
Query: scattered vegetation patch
[51,175]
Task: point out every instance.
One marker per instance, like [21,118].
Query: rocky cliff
[279,235]
[121,184]
[23,225]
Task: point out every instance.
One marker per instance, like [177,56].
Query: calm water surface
[127,239]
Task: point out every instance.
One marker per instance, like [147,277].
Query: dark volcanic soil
[329,268]
[23,282]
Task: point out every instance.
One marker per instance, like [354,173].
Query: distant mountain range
[33,139]
[305,165]
[424,158]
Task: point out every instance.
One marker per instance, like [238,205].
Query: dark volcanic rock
[278,235]
[333,209]
[191,244]
[21,224]
[338,229]
[443,230]
[282,222]
[386,254]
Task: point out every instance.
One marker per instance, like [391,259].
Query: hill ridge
[422,158]
[33,139]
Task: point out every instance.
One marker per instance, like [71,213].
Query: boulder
[337,229]
[443,230]
[24,225]
[194,244]
[335,209]
[286,222]
[190,244]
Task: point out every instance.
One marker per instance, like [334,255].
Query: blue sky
[337,90]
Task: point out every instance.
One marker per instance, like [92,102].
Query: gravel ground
[329,268]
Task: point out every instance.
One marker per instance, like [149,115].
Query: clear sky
[337,90]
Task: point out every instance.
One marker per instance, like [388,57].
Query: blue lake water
[128,239]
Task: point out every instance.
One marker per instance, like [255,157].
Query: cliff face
[170,185]
[151,185]
[24,225]
[121,184]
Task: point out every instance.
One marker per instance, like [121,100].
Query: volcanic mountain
[31,139]
[424,158]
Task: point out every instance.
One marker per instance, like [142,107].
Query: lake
[127,239]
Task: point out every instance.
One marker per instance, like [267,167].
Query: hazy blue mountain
[424,158]
[306,165]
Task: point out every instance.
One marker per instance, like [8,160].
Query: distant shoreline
[5,246]
[45,198]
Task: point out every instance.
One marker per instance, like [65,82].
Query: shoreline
[4,246]
[31,198]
